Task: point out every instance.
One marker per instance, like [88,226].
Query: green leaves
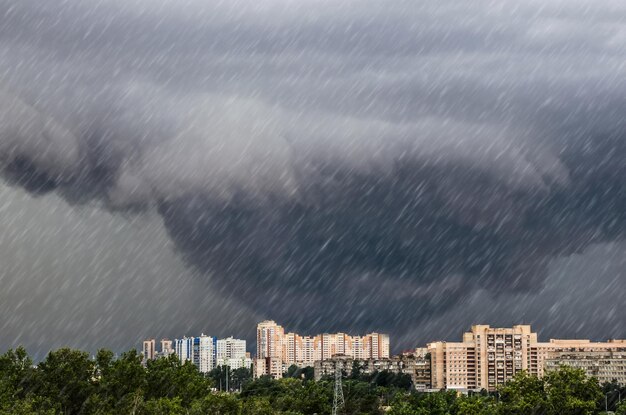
[566,391]
[69,382]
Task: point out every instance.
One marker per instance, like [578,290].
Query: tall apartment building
[167,347]
[232,353]
[184,349]
[198,350]
[488,357]
[148,350]
[204,353]
[277,350]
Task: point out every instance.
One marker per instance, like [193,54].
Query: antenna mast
[338,401]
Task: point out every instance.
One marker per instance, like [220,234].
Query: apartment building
[184,349]
[198,350]
[277,350]
[606,366]
[231,352]
[148,351]
[167,347]
[488,357]
[418,367]
[541,352]
[204,353]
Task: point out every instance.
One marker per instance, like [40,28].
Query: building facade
[184,349]
[418,367]
[204,353]
[605,366]
[488,357]
[198,350]
[232,353]
[148,351]
[167,347]
[277,350]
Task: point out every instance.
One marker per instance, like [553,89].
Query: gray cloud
[364,163]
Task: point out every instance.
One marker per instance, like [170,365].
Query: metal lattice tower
[338,401]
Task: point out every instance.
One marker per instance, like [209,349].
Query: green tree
[241,377]
[565,391]
[66,378]
[437,403]
[571,392]
[264,386]
[120,383]
[163,406]
[315,398]
[476,405]
[361,398]
[17,375]
[216,404]
[257,405]
[303,373]
[357,370]
[524,395]
[168,378]
[402,407]
[613,391]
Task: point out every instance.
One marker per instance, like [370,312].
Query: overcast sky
[175,167]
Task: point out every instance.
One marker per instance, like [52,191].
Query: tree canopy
[70,382]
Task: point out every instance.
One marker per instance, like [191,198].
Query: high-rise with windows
[488,357]
[277,350]
[204,353]
[184,349]
[148,350]
[231,352]
[167,347]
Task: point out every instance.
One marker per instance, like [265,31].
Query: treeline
[69,382]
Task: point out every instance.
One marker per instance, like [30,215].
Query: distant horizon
[395,350]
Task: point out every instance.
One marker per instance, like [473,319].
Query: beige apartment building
[488,357]
[148,350]
[606,366]
[277,350]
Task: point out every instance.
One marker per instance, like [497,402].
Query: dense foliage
[70,382]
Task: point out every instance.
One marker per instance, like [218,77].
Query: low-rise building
[416,367]
[606,366]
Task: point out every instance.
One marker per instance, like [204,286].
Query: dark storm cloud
[365,163]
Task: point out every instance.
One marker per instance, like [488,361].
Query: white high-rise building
[184,349]
[204,353]
[207,352]
[232,352]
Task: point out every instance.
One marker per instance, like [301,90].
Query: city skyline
[451,338]
[485,359]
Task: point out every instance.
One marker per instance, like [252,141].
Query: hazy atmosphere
[173,167]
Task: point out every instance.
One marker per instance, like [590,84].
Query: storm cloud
[331,166]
